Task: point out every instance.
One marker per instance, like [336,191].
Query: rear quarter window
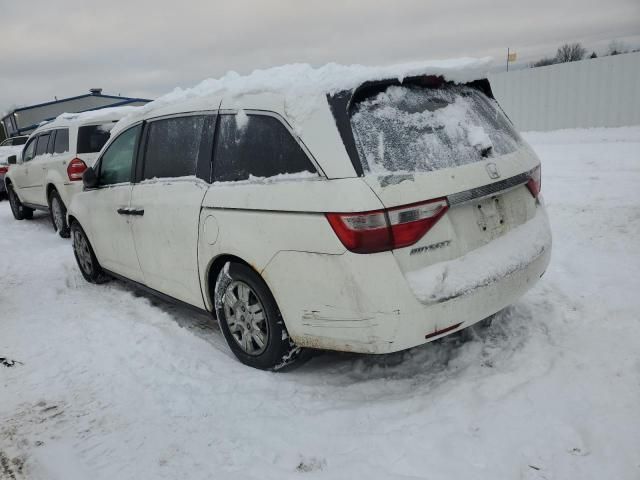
[62,141]
[256,145]
[417,129]
[91,138]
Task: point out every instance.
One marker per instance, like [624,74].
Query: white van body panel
[363,303]
[329,297]
[110,234]
[166,236]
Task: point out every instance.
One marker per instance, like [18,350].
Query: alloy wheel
[245,318]
[13,201]
[83,253]
[56,210]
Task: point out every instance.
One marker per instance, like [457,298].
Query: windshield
[417,129]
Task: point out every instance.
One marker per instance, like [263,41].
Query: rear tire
[58,214]
[251,321]
[20,212]
[87,261]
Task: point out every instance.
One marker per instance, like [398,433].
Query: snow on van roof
[91,116]
[302,83]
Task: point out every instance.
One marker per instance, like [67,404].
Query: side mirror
[89,178]
[12,160]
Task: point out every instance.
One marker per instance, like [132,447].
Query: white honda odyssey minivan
[49,170]
[341,208]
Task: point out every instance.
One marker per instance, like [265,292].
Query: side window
[62,141]
[43,140]
[91,138]
[116,162]
[51,141]
[257,145]
[30,150]
[173,146]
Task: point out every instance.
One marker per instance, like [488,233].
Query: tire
[86,258]
[247,312]
[58,213]
[20,212]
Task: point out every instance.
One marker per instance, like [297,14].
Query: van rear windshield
[409,128]
[91,138]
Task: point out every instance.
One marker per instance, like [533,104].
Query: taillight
[4,169]
[366,232]
[535,182]
[75,169]
[410,223]
[381,230]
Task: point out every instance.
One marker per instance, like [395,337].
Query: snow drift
[303,86]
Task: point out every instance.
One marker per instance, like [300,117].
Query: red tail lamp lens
[382,230]
[75,169]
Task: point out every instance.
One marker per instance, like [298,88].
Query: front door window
[116,162]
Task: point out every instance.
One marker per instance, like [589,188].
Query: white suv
[48,172]
[368,218]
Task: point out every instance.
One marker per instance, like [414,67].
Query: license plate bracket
[490,216]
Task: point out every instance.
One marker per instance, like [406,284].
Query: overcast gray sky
[145,48]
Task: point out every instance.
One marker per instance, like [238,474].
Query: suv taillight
[4,169]
[75,169]
[535,182]
[381,230]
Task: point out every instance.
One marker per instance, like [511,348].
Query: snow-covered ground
[114,385]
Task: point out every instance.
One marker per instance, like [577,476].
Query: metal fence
[599,92]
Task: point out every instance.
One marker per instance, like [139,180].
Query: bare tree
[616,48]
[543,62]
[570,52]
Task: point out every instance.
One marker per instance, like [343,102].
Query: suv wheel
[87,261]
[58,214]
[251,321]
[20,212]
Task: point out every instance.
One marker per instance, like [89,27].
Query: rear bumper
[363,303]
[474,305]
[3,188]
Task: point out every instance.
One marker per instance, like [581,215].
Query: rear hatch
[431,140]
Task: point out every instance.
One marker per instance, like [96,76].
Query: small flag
[512,57]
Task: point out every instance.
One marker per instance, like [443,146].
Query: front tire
[20,212]
[58,214]
[86,258]
[251,321]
